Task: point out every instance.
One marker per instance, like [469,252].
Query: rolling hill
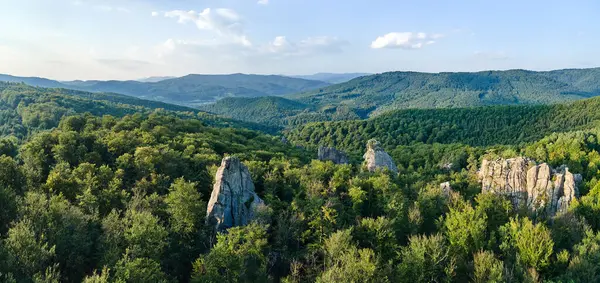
[25,109]
[400,90]
[475,126]
[190,90]
[332,77]
[373,95]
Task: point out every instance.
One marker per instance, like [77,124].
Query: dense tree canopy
[123,199]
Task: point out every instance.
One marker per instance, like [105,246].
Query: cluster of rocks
[233,201]
[538,187]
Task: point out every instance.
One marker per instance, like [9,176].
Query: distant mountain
[26,109]
[32,81]
[278,111]
[154,79]
[399,90]
[190,90]
[332,77]
[375,94]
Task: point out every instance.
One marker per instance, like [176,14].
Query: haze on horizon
[131,39]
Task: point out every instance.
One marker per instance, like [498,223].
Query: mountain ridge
[189,90]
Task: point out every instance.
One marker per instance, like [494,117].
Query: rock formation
[446,188]
[538,187]
[233,200]
[377,158]
[332,154]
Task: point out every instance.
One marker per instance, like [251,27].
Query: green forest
[95,188]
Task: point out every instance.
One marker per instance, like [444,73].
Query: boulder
[376,158]
[538,187]
[332,154]
[233,200]
[446,188]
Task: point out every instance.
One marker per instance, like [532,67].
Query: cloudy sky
[129,39]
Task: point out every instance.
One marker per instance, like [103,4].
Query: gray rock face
[538,187]
[446,188]
[376,158]
[233,200]
[332,154]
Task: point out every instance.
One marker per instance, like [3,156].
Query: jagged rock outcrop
[446,188]
[538,187]
[233,200]
[332,154]
[377,158]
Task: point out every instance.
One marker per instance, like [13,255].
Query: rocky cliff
[332,154]
[540,188]
[233,200]
[377,158]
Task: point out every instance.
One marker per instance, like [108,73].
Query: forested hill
[478,126]
[25,109]
[399,90]
[277,111]
[332,77]
[189,90]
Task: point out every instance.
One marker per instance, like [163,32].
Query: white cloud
[405,40]
[155,14]
[263,2]
[307,46]
[224,22]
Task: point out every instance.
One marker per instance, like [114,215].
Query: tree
[101,277]
[466,229]
[28,253]
[426,259]
[238,256]
[139,270]
[144,234]
[344,262]
[188,238]
[377,235]
[487,268]
[532,243]
[185,207]
[584,265]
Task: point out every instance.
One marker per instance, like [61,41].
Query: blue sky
[128,39]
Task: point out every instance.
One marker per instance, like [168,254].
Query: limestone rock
[233,200]
[377,158]
[538,187]
[332,154]
[446,188]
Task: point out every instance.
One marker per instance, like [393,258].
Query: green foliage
[238,256]
[487,268]
[139,270]
[28,253]
[127,196]
[185,207]
[346,263]
[530,243]
[479,126]
[426,259]
[394,90]
[466,229]
[194,89]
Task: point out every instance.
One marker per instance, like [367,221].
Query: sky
[131,39]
